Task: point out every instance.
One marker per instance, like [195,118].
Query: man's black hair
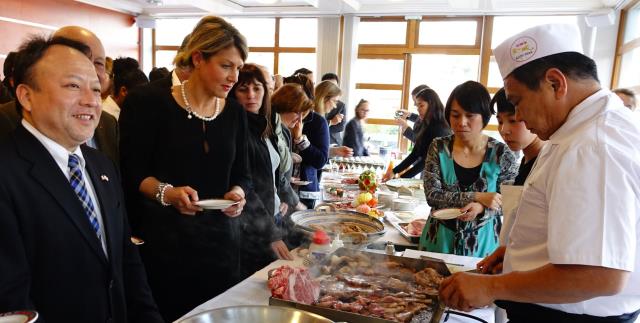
[158,73]
[31,52]
[130,80]
[330,76]
[574,65]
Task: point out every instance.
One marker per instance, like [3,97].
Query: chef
[573,251]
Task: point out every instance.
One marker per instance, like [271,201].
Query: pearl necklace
[193,113]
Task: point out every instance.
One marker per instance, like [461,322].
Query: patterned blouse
[440,195]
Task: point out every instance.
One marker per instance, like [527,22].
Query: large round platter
[411,183]
[310,219]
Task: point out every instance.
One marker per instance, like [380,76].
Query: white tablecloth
[254,291]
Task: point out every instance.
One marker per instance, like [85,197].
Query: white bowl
[387,198]
[404,204]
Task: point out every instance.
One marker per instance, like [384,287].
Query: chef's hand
[235,194]
[281,250]
[489,200]
[471,211]
[182,199]
[492,264]
[283,208]
[465,291]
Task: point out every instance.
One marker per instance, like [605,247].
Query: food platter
[341,221]
[395,280]
[410,183]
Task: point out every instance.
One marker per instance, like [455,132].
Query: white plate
[446,214]
[19,317]
[300,183]
[411,183]
[215,204]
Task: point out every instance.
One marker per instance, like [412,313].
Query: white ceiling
[180,8]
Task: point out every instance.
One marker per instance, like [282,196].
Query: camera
[399,114]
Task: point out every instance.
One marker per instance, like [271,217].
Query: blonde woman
[311,142]
[179,146]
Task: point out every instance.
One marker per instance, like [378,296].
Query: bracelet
[162,187]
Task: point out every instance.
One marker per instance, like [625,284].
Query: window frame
[276,49]
[622,47]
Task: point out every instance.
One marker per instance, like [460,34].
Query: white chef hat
[534,43]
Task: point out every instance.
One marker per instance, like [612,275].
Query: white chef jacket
[581,202]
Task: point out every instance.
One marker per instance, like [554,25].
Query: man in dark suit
[105,138]
[107,134]
[65,245]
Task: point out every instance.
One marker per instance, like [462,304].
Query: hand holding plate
[235,194]
[182,198]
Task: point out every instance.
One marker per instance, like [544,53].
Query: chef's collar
[581,113]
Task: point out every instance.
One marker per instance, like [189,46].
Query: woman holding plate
[182,146]
[464,171]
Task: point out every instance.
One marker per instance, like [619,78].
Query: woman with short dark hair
[464,171]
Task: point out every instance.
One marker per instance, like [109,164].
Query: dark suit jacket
[51,260]
[335,131]
[107,133]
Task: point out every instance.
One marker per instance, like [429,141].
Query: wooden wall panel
[116,30]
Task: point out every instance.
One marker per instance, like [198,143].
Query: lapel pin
[104,178]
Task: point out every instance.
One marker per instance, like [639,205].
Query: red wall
[116,30]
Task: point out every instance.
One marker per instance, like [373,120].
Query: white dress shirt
[61,156]
[109,105]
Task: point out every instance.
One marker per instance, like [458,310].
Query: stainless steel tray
[411,238]
[429,316]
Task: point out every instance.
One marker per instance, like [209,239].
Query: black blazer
[51,260]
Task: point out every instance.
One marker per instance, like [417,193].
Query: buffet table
[254,291]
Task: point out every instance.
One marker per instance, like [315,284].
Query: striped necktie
[77,183]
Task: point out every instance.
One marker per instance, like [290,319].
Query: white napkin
[511,195]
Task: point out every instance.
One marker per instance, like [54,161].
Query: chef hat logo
[534,43]
[523,48]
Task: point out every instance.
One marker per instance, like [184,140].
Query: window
[443,72]
[295,48]
[289,62]
[299,32]
[381,71]
[439,52]
[462,32]
[382,32]
[172,31]
[382,103]
[627,62]
[260,32]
